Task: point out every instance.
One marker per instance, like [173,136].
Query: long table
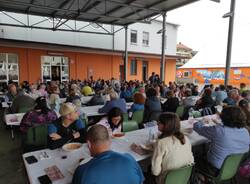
[13,120]
[68,165]
[93,110]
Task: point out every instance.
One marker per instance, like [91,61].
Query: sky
[201,22]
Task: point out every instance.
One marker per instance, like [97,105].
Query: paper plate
[146,147]
[72,146]
[118,135]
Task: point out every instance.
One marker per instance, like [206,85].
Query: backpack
[244,170]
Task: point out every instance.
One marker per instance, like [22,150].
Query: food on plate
[13,120]
[148,147]
[117,135]
[72,146]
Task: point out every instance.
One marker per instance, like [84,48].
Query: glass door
[55,68]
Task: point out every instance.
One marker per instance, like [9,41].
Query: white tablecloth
[93,110]
[14,119]
[68,165]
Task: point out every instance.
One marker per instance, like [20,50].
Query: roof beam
[115,9]
[52,29]
[62,5]
[182,4]
[87,7]
[129,6]
[62,10]
[91,6]
[148,6]
[28,9]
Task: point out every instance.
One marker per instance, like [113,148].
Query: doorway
[121,72]
[55,73]
[144,70]
[55,68]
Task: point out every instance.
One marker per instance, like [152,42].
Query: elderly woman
[228,138]
[40,115]
[233,97]
[67,128]
[172,150]
[115,101]
[139,101]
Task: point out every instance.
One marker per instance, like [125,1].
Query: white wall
[92,40]
[154,38]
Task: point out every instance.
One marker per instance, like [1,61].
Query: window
[133,67]
[145,38]
[133,37]
[186,74]
[9,69]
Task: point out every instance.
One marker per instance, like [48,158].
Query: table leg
[12,132]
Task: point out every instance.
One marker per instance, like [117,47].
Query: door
[55,73]
[121,73]
[144,70]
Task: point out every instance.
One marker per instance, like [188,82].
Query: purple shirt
[35,117]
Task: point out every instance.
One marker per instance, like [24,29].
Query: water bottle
[190,113]
[152,136]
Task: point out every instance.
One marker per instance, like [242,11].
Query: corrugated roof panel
[124,11]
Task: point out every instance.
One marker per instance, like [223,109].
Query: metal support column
[163,44]
[230,40]
[126,53]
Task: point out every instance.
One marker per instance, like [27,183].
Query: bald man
[107,167]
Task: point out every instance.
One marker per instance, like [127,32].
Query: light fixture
[217,1]
[226,15]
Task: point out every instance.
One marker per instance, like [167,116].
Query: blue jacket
[224,141]
[120,103]
[109,168]
[136,107]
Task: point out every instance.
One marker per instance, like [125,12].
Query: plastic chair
[196,114]
[24,109]
[138,116]
[125,116]
[36,137]
[179,176]
[84,119]
[180,111]
[130,125]
[154,115]
[229,168]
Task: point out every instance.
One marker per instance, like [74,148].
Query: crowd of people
[41,104]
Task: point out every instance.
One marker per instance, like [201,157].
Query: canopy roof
[116,12]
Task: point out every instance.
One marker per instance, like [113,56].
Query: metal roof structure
[114,12]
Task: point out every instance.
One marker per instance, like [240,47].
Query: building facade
[185,54]
[34,54]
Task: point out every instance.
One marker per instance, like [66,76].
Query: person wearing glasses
[67,128]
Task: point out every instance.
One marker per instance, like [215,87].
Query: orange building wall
[34,64]
[170,70]
[234,79]
[84,64]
